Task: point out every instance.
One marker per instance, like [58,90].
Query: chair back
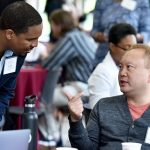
[45,121]
[49,86]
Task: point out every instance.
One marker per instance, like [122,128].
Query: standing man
[20,28]
[124,118]
[111,12]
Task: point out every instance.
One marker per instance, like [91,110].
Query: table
[29,81]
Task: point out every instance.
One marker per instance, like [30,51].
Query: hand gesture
[75,106]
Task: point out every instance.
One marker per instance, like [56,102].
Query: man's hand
[140,38]
[100,37]
[75,106]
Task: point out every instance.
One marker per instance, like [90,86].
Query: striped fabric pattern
[75,51]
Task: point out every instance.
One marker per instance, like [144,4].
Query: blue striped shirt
[75,51]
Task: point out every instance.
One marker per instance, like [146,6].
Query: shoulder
[82,38]
[109,101]
[78,34]
[109,105]
[106,67]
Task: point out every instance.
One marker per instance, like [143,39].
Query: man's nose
[34,44]
[123,71]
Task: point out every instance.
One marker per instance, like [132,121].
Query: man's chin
[124,90]
[20,54]
[23,54]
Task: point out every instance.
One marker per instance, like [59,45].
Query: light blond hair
[146,49]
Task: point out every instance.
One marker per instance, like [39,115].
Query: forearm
[78,136]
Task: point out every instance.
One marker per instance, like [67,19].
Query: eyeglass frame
[125,49]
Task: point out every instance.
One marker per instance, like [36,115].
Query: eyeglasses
[125,49]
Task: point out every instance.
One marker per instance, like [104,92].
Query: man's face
[134,76]
[23,43]
[118,50]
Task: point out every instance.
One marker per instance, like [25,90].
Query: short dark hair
[18,16]
[119,31]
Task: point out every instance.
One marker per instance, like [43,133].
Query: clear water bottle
[29,120]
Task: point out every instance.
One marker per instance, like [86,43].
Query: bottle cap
[30,99]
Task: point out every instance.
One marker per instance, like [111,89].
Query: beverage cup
[131,146]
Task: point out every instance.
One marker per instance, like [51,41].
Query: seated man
[124,118]
[103,82]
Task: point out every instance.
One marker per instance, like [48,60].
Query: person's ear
[9,34]
[111,46]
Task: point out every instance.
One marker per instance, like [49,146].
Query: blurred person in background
[74,52]
[110,12]
[50,6]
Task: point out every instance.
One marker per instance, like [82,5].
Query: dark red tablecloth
[29,81]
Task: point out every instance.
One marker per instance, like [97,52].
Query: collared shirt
[7,53]
[103,82]
[75,51]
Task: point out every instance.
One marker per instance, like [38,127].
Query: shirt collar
[8,53]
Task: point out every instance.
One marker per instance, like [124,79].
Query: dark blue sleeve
[85,138]
[7,87]
[6,94]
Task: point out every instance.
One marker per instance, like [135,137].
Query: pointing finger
[68,95]
[73,98]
